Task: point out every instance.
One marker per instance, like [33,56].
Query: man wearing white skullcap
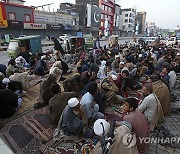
[74,122]
[109,90]
[124,140]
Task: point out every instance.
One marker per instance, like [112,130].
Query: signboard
[15,24]
[178,34]
[79,34]
[3,23]
[93,16]
[67,27]
[55,27]
[34,26]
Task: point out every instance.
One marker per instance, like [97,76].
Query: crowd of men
[139,78]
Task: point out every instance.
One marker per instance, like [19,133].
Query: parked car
[172,41]
[150,40]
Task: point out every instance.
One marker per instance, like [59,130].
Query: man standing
[58,50]
[151,107]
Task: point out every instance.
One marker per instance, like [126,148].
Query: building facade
[18,19]
[107,14]
[128,16]
[140,23]
[118,25]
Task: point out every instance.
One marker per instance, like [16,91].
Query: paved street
[4,57]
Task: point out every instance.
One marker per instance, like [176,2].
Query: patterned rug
[25,134]
[71,147]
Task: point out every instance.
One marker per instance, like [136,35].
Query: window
[11,16]
[102,16]
[27,18]
[126,20]
[126,15]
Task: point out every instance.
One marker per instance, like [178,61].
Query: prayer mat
[70,147]
[26,133]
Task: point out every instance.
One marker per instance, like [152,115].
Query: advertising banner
[34,26]
[55,27]
[15,24]
[93,16]
[3,23]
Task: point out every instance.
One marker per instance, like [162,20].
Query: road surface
[4,57]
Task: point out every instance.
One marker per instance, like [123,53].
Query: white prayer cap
[140,55]
[122,63]
[117,56]
[103,63]
[73,102]
[178,54]
[114,77]
[5,81]
[43,57]
[98,127]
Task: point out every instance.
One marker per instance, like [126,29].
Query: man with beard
[151,107]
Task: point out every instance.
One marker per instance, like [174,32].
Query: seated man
[45,91]
[162,93]
[56,69]
[92,109]
[151,107]
[73,83]
[73,121]
[138,121]
[97,97]
[121,81]
[109,89]
[41,67]
[9,103]
[118,145]
[58,102]
[24,78]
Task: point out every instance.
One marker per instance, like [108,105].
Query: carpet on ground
[70,147]
[26,133]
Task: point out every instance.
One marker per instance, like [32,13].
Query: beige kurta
[24,78]
[163,94]
[118,147]
[57,105]
[109,91]
[45,91]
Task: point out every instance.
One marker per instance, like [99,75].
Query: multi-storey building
[118,25]
[17,19]
[140,23]
[128,16]
[107,14]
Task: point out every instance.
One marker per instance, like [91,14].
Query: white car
[150,39]
[172,41]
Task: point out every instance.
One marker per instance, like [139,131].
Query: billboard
[93,16]
[3,23]
[34,26]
